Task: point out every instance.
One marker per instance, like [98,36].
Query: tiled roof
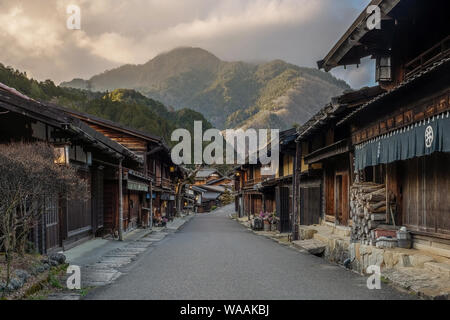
[13,100]
[205,173]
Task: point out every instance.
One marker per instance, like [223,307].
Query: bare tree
[28,175]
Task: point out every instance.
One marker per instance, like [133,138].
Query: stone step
[111,262]
[122,254]
[420,281]
[146,239]
[152,239]
[324,237]
[175,225]
[313,246]
[132,250]
[64,296]
[306,232]
[138,244]
[441,268]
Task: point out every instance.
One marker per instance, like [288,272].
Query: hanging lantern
[61,154]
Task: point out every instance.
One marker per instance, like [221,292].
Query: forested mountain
[127,107]
[229,94]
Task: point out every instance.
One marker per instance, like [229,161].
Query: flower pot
[266,225]
[273,227]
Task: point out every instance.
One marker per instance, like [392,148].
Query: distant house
[206,198]
[188,199]
[257,193]
[223,181]
[206,175]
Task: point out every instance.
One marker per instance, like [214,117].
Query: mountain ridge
[125,106]
[229,94]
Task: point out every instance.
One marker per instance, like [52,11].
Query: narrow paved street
[214,257]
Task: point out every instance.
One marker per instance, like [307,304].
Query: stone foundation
[358,257]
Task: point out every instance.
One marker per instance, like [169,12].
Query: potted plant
[265,218]
[257,222]
[273,222]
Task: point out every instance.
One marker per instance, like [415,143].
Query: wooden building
[205,198]
[400,139]
[256,193]
[223,181]
[137,189]
[324,161]
[207,175]
[95,157]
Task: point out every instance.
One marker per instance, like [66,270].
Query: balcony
[252,182]
[435,53]
[167,183]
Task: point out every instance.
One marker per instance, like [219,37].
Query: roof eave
[352,37]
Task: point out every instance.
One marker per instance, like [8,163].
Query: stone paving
[109,266]
[413,277]
[213,257]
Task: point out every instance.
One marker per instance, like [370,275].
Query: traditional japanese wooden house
[166,176]
[256,193]
[188,199]
[64,222]
[142,200]
[206,175]
[324,161]
[206,198]
[238,175]
[277,190]
[251,195]
[401,138]
[223,181]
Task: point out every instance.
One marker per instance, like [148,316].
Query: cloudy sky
[34,37]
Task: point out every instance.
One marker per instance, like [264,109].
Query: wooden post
[295,195]
[251,205]
[150,224]
[120,203]
[263,204]
[242,199]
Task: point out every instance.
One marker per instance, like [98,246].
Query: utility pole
[120,202]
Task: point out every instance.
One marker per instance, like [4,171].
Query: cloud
[35,37]
[255,15]
[357,76]
[134,31]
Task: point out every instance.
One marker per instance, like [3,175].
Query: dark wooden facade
[64,221]
[357,131]
[157,168]
[256,193]
[325,161]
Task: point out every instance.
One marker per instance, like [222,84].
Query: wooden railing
[435,53]
[167,183]
[251,182]
[162,182]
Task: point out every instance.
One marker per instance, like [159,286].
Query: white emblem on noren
[429,136]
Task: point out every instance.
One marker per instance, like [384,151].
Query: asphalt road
[214,257]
